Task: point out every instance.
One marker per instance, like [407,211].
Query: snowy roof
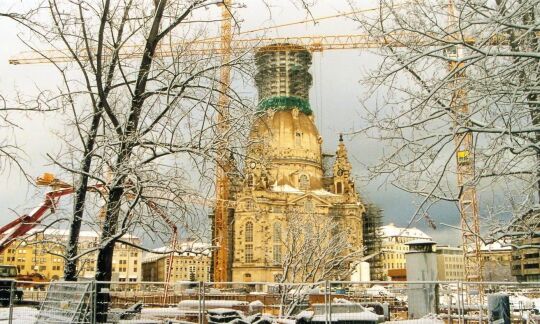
[286,189]
[496,246]
[292,190]
[64,232]
[322,192]
[420,241]
[448,247]
[391,230]
[186,249]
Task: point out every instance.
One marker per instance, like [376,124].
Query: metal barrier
[263,302]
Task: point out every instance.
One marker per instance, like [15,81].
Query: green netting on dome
[285,103]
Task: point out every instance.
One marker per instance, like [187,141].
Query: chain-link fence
[262,302]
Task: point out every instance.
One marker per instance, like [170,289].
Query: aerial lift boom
[22,225]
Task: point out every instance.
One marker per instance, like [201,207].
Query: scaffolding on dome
[283,79]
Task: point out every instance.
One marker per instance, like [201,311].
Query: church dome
[290,142]
[285,139]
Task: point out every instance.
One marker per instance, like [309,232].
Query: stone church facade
[284,173]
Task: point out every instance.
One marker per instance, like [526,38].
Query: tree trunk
[70,268]
[106,251]
[105,254]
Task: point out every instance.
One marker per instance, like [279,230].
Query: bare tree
[316,248]
[142,123]
[487,54]
[11,154]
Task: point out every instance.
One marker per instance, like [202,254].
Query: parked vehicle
[8,274]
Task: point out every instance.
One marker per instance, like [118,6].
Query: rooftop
[496,247]
[185,249]
[391,230]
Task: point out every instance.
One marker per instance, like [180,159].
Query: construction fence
[260,302]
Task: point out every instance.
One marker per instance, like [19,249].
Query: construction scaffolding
[283,79]
[372,221]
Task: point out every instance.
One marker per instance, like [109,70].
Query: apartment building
[450,263]
[192,263]
[394,248]
[497,258]
[41,252]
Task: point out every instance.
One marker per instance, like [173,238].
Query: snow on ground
[27,315]
[211,303]
[417,321]
[346,317]
[378,290]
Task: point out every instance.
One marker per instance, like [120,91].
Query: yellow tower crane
[468,201]
[225,45]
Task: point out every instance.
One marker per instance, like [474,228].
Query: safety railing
[264,302]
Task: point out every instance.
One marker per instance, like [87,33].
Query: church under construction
[285,178]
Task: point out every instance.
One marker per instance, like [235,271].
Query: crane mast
[220,257]
[465,161]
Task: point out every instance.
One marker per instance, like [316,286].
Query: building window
[277,233]
[303,182]
[339,188]
[249,232]
[298,139]
[309,206]
[277,253]
[249,253]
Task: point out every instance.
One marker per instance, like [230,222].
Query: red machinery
[25,223]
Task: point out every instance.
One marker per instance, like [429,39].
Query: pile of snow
[428,319]
[163,312]
[378,290]
[521,302]
[211,304]
[20,315]
[343,311]
[341,301]
[256,306]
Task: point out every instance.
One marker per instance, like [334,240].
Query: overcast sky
[335,98]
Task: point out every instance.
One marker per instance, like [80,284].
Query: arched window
[249,232]
[303,182]
[298,139]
